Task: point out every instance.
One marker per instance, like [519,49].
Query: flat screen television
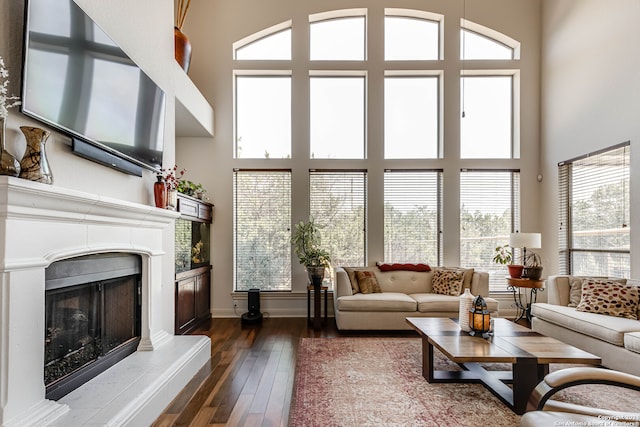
[76,79]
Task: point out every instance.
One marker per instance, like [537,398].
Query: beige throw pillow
[447,282]
[351,272]
[367,282]
[467,275]
[575,288]
[609,297]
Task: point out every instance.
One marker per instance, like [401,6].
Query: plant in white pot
[306,241]
[504,256]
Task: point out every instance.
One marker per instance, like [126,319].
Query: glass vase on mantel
[172,199]
[9,165]
[34,165]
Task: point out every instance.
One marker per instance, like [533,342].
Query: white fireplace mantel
[40,224]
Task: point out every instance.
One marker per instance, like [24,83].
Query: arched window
[273,43]
[359,127]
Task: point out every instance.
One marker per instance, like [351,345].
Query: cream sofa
[404,294]
[615,339]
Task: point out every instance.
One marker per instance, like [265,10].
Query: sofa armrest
[343,284]
[558,289]
[480,283]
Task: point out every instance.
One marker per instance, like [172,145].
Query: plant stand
[317,319]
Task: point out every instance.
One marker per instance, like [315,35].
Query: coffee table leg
[527,373]
[427,360]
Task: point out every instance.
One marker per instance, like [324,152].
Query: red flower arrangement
[172,177]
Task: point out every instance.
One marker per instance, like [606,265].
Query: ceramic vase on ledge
[182,49]
[8,164]
[34,165]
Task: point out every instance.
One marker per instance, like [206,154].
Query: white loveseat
[403,294]
[615,339]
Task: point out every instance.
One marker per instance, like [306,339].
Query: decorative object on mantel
[466,302]
[8,164]
[34,165]
[160,193]
[182,43]
[172,179]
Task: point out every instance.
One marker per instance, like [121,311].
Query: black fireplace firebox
[92,318]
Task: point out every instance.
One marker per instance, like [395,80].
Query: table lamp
[524,241]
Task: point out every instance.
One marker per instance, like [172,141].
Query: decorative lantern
[479,317]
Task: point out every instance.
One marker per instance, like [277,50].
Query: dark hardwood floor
[249,379]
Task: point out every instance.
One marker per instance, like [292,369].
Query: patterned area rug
[378,382]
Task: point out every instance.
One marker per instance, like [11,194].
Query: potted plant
[532,266]
[306,241]
[199,190]
[504,256]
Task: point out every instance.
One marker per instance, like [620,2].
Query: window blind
[262,230]
[413,216]
[338,203]
[489,213]
[594,238]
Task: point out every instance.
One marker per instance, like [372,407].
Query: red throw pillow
[407,267]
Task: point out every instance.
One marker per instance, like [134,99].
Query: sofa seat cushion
[436,302]
[632,341]
[384,301]
[601,326]
[429,302]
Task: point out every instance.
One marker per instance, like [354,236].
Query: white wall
[213,26]
[591,97]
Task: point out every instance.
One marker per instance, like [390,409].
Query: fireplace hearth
[92,318]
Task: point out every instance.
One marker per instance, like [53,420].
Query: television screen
[76,79]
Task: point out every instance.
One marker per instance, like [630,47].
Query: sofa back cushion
[609,297]
[407,282]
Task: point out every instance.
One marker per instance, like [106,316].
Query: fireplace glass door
[89,327]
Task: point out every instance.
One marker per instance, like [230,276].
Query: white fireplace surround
[41,224]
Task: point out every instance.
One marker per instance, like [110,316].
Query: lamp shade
[525,240]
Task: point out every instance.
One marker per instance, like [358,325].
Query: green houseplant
[504,256]
[307,242]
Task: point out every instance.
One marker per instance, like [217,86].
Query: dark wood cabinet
[193,269]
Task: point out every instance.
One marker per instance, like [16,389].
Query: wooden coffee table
[528,352]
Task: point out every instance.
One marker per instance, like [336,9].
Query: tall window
[357,109]
[338,203]
[262,230]
[594,214]
[263,116]
[411,117]
[337,110]
[489,213]
[487,117]
[413,216]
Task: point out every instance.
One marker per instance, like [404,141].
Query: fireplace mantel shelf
[23,198]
